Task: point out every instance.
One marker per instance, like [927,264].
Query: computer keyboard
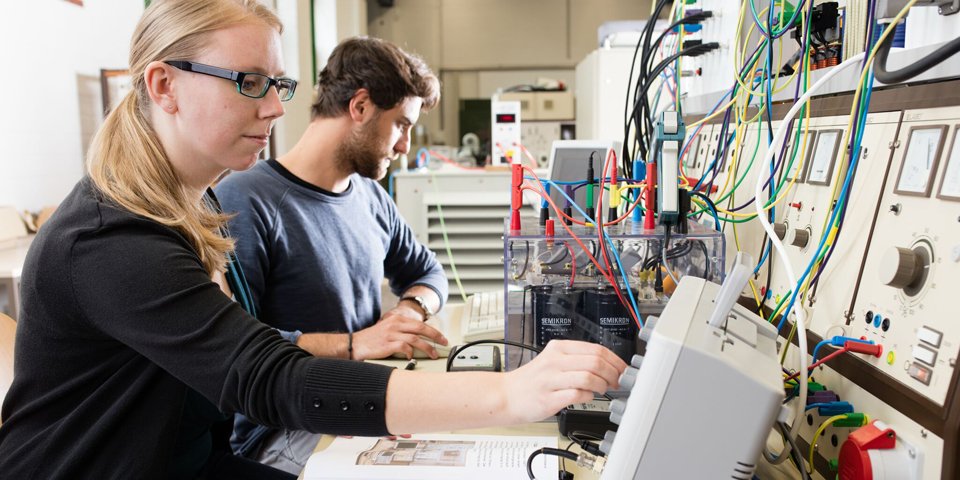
[483,316]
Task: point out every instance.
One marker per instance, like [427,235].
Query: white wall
[333,20]
[53,51]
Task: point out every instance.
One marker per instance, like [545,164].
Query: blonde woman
[127,291]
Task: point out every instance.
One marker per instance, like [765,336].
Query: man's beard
[361,153]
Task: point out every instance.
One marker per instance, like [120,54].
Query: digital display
[506,118]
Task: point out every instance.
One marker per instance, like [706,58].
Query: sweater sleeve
[143,285]
[409,262]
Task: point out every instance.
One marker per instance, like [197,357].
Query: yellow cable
[863,75]
[803,148]
[823,426]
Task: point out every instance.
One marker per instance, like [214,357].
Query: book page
[428,457]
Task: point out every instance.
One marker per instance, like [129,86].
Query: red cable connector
[649,221]
[874,349]
[516,197]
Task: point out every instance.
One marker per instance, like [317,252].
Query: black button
[344,406]
[317,403]
[474,357]
[369,406]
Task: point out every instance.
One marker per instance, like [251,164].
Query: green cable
[779,304]
[446,239]
[793,154]
[590,196]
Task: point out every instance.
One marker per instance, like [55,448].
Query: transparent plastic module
[555,290]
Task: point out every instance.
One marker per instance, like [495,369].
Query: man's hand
[399,331]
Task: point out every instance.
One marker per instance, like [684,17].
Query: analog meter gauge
[823,157]
[920,161]
[950,185]
[802,144]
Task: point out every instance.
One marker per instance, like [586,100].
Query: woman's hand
[566,372]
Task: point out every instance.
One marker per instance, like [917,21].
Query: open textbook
[432,457]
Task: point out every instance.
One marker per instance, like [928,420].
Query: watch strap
[427,313]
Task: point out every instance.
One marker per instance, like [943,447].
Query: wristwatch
[427,313]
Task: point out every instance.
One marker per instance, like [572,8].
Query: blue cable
[639,174]
[616,255]
[844,192]
[756,19]
[838,341]
[817,349]
[763,258]
[711,112]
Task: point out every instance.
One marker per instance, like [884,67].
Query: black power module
[590,418]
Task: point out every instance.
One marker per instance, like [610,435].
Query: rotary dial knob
[780,229]
[900,267]
[800,238]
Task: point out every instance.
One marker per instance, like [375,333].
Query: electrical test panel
[909,278]
[889,282]
[806,208]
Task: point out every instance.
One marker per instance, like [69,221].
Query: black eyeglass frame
[237,77]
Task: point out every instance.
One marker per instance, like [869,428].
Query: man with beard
[316,233]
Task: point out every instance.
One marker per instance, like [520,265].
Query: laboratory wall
[52,55]
[474,45]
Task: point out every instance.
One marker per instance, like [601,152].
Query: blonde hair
[126,161]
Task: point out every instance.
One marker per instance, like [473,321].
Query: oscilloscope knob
[628,378]
[647,329]
[900,267]
[617,407]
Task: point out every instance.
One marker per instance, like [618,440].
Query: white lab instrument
[714,392]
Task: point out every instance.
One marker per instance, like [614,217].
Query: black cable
[459,348]
[672,254]
[644,75]
[585,443]
[706,259]
[547,451]
[704,48]
[526,261]
[695,19]
[644,35]
[523,326]
[563,460]
[916,68]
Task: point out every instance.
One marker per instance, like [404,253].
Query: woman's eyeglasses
[253,85]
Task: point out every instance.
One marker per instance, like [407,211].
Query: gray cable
[795,451]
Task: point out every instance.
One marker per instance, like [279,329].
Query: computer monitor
[568,163]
